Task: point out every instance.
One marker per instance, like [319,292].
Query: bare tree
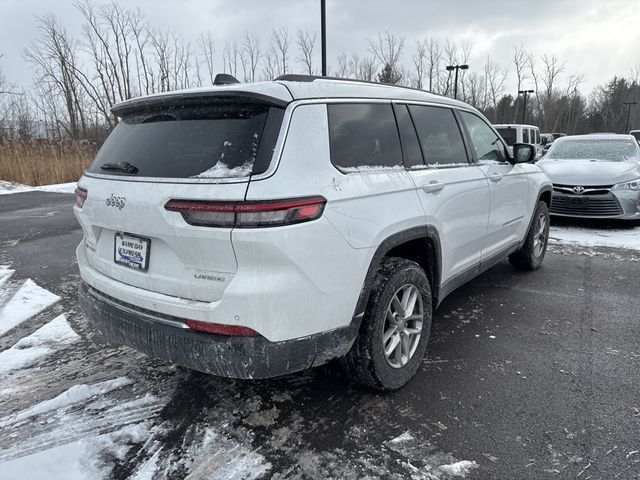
[387,50]
[420,62]
[231,55]
[495,78]
[306,44]
[54,57]
[552,69]
[280,48]
[250,56]
[434,58]
[344,70]
[270,67]
[207,51]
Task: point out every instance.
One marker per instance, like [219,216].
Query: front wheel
[395,328]
[530,256]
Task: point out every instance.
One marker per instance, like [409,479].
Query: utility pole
[628,104]
[455,82]
[323,35]
[524,106]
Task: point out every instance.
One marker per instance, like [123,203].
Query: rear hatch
[180,148]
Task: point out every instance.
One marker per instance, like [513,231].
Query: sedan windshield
[597,149]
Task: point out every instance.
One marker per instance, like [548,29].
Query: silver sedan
[594,176]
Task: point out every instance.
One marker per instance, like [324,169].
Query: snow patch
[214,459]
[59,188]
[221,170]
[75,394]
[28,301]
[592,237]
[5,275]
[372,169]
[55,335]
[458,469]
[78,460]
[12,187]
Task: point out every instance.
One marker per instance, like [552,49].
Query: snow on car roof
[597,136]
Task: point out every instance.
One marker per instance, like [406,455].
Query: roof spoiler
[225,79]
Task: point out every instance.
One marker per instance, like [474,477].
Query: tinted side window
[363,135]
[537,136]
[525,135]
[439,135]
[486,143]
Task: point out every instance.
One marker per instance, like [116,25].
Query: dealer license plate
[132,251]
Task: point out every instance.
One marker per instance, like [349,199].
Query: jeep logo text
[114,201]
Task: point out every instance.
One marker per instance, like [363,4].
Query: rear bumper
[233,357]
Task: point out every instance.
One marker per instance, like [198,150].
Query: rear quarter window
[219,140]
[439,135]
[363,136]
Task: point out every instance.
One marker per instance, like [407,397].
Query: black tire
[527,257]
[366,362]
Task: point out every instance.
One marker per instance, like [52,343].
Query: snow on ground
[77,460]
[596,237]
[29,300]
[12,187]
[5,275]
[76,394]
[53,336]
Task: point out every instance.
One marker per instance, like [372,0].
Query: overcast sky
[598,38]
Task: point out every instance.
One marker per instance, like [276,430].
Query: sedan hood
[589,172]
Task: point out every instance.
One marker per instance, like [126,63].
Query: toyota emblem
[578,190]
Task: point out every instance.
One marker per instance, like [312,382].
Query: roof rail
[294,77]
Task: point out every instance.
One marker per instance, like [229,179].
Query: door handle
[433,186]
[496,177]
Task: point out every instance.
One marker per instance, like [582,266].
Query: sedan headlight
[632,185]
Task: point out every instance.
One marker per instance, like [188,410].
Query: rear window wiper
[125,167]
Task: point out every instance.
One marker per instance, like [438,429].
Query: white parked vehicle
[252,230]
[518,133]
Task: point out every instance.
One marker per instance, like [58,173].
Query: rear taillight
[81,196]
[267,213]
[218,329]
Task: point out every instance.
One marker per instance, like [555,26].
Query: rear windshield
[611,150]
[219,140]
[509,135]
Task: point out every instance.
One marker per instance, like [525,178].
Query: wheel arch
[420,244]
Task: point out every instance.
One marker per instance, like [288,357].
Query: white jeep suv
[252,230]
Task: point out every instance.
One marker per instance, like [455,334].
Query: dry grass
[44,163]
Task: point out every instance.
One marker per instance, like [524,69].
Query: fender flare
[544,189]
[426,232]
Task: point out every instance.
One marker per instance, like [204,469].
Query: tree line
[120,55]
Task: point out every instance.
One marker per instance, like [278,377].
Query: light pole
[323,35]
[628,104]
[524,106]
[455,82]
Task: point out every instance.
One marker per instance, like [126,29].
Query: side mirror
[524,153]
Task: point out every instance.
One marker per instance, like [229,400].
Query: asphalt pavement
[531,375]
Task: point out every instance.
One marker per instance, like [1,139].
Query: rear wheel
[395,328]
[530,256]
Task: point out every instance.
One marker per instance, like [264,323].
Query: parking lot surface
[528,376]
